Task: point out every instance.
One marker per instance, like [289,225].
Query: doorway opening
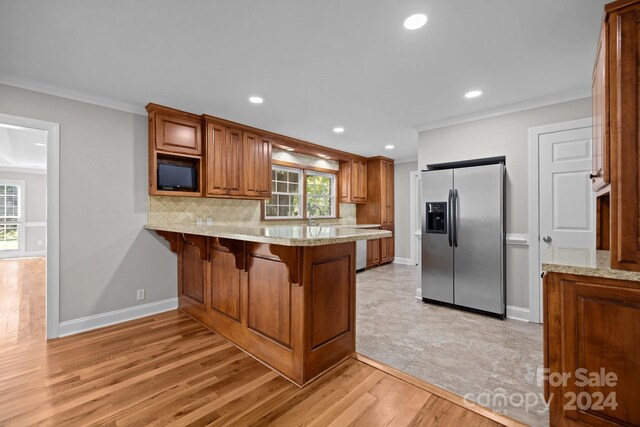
[28,230]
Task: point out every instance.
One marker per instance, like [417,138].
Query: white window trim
[21,222]
[301,194]
[333,193]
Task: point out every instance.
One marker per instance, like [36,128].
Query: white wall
[503,135]
[105,254]
[404,235]
[35,208]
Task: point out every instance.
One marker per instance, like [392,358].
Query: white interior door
[567,203]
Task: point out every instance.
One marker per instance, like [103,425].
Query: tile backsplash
[185,210]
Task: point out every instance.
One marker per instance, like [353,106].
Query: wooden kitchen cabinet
[224,160]
[373,253]
[600,122]
[387,247]
[379,208]
[292,308]
[177,132]
[616,118]
[591,323]
[256,165]
[353,181]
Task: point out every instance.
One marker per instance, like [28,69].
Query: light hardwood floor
[169,369]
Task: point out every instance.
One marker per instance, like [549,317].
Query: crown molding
[406,160]
[71,94]
[504,110]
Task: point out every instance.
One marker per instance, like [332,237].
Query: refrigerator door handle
[454,221]
[449,214]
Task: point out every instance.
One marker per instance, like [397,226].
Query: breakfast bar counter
[283,294]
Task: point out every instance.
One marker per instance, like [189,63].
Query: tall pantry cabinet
[379,209]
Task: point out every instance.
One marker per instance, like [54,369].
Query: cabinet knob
[594,176]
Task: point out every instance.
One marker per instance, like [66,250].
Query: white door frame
[535,267]
[414,217]
[53,215]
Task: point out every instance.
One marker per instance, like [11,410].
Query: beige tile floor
[494,362]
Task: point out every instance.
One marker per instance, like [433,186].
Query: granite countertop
[280,235]
[585,262]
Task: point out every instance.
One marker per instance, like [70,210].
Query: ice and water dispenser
[436,218]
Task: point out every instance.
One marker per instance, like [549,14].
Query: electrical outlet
[140,294]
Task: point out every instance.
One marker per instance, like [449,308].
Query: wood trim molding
[170,237]
[304,167]
[237,249]
[198,241]
[451,397]
[291,256]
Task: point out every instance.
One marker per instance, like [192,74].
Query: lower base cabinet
[292,308]
[381,251]
[592,350]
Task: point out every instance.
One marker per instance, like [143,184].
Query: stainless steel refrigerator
[463,240]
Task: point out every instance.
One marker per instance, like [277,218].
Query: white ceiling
[23,148]
[317,64]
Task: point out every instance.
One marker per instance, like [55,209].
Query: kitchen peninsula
[283,294]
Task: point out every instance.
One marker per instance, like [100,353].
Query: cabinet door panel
[192,273]
[178,134]
[256,167]
[373,252]
[216,159]
[345,182]
[600,329]
[225,284]
[625,247]
[233,164]
[269,299]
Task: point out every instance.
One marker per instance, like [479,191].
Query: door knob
[547,239]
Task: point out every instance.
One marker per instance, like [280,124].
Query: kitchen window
[286,194]
[11,217]
[321,194]
[297,193]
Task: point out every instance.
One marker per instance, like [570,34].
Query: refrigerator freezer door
[437,253]
[479,234]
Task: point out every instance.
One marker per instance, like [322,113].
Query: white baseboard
[403,261]
[518,313]
[88,323]
[23,254]
[419,293]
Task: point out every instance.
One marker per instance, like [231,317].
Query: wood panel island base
[291,307]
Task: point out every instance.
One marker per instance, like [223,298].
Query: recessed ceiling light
[256,100]
[338,129]
[289,149]
[415,21]
[389,147]
[473,94]
[40,144]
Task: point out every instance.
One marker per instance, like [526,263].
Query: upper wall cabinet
[257,165]
[175,144]
[224,160]
[617,119]
[600,140]
[353,181]
[178,132]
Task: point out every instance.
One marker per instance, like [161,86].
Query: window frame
[333,195]
[304,169]
[20,222]
[301,204]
